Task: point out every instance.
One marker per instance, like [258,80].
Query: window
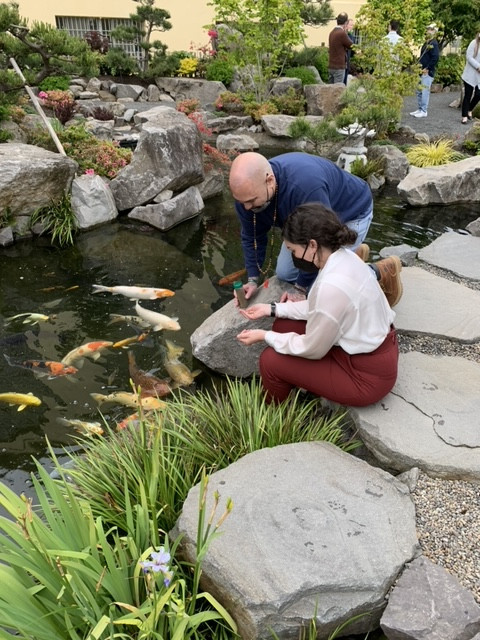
[79,26]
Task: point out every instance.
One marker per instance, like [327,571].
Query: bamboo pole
[38,107]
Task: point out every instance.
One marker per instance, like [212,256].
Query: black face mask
[305,265]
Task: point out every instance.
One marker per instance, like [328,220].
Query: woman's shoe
[464,120]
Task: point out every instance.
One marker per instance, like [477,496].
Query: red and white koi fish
[91,350]
[49,368]
[135,293]
[157,320]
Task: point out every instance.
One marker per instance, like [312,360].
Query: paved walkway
[441,120]
[431,419]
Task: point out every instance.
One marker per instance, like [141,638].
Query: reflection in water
[189,259]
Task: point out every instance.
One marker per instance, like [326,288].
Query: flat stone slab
[437,306]
[455,252]
[312,529]
[430,420]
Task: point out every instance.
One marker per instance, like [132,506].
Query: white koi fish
[29,318]
[90,349]
[157,320]
[135,293]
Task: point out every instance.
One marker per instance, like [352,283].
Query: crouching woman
[340,343]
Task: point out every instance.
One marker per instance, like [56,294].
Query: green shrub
[433,154]
[104,157]
[290,103]
[116,62]
[58,219]
[5,136]
[365,169]
[55,83]
[66,574]
[258,109]
[206,429]
[312,56]
[449,69]
[219,70]
[162,65]
[302,73]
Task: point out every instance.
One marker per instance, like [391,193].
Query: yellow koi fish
[135,293]
[22,399]
[129,400]
[178,371]
[157,320]
[91,350]
[128,341]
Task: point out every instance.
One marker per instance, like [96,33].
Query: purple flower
[159,564]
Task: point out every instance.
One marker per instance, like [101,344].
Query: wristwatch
[273,308]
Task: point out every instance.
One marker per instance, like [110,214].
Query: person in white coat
[471,79]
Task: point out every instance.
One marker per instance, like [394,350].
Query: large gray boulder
[438,606]
[313,529]
[323,99]
[215,342]
[169,155]
[394,162]
[446,184]
[278,125]
[206,91]
[168,213]
[32,177]
[92,201]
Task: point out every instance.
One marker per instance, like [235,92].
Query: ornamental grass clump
[433,154]
[66,574]
[163,457]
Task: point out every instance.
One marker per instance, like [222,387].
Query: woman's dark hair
[314,221]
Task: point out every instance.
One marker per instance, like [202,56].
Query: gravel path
[448,511]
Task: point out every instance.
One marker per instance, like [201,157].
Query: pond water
[190,259]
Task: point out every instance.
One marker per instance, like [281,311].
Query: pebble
[448,511]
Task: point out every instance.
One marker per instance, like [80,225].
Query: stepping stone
[455,252]
[437,306]
[430,420]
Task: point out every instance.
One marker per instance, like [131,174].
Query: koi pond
[190,259]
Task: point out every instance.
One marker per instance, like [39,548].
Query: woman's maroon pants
[352,380]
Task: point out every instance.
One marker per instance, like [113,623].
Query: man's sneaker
[420,114]
[414,113]
[389,270]
[363,252]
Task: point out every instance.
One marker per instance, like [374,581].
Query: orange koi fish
[49,368]
[133,339]
[232,277]
[91,350]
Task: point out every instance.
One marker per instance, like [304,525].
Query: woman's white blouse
[345,307]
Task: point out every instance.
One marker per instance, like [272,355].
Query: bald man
[267,191]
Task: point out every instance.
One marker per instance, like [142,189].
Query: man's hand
[295,296]
[250,336]
[256,312]
[250,289]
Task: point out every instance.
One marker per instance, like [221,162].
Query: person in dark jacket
[267,191]
[429,56]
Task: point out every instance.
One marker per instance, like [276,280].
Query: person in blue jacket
[267,191]
[429,56]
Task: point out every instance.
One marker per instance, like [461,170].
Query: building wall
[187,24]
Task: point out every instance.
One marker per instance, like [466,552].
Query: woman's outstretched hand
[250,336]
[256,311]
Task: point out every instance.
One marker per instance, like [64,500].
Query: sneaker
[363,252]
[420,114]
[390,283]
[414,113]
